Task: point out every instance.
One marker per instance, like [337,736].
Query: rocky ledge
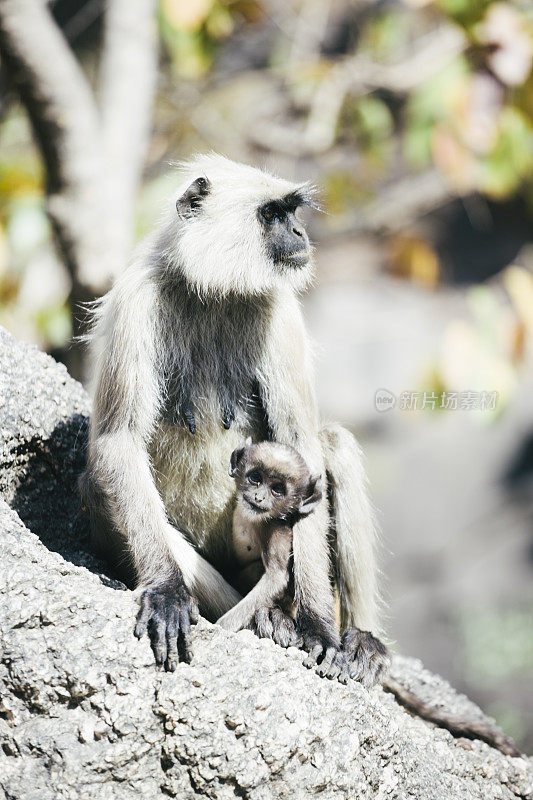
[85,714]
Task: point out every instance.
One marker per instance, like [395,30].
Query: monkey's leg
[286,387]
[214,594]
[355,562]
[355,530]
[167,567]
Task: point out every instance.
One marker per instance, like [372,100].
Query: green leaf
[511,160]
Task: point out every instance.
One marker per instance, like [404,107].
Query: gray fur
[203,332]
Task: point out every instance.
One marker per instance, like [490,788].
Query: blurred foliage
[475,118]
[33,283]
[470,119]
[487,346]
[191,30]
[478,352]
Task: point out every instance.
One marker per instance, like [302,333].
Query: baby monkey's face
[267,492]
[273,481]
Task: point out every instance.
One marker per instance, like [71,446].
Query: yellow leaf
[187,15]
[519,284]
[415,259]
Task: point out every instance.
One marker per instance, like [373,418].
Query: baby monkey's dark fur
[275,490]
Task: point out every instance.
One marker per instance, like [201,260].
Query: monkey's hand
[274,623]
[322,643]
[367,658]
[167,612]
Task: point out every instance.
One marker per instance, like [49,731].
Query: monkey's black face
[286,238]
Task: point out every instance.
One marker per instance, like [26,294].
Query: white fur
[222,250]
[355,529]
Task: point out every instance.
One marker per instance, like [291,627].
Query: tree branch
[59,102]
[127,84]
[93,156]
[357,76]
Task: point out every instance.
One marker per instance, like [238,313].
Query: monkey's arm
[127,399]
[286,381]
[270,588]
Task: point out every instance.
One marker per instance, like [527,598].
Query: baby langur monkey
[275,490]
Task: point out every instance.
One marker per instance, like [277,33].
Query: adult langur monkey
[200,344]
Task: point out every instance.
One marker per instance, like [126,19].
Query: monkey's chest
[191,472]
[246,543]
[216,380]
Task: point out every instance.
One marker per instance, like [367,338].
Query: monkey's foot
[274,623]
[167,612]
[366,657]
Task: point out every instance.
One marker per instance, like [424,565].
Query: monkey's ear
[313,495]
[234,461]
[189,202]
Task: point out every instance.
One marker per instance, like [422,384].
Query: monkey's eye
[278,489]
[255,477]
[201,183]
[269,212]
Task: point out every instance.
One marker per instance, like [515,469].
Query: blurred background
[415,119]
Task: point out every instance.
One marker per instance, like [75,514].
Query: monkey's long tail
[457,725]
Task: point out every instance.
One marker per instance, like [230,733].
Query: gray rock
[85,714]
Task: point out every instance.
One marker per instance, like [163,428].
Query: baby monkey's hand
[274,623]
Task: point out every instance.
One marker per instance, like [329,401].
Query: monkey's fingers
[344,675]
[284,629]
[313,656]
[338,670]
[367,656]
[172,644]
[374,672]
[263,623]
[184,636]
[331,664]
[157,631]
[143,617]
